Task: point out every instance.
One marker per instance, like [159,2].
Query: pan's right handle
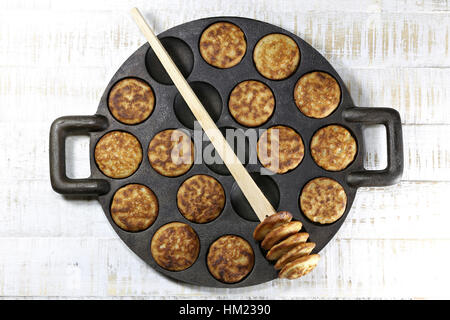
[390,118]
[60,129]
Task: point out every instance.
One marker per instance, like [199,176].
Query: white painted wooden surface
[56,57]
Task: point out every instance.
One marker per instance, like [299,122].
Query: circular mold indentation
[251,103]
[280,149]
[208,96]
[230,259]
[200,198]
[134,207]
[171,153]
[333,148]
[175,246]
[180,53]
[222,45]
[317,94]
[323,200]
[131,101]
[268,187]
[276,56]
[118,154]
[237,139]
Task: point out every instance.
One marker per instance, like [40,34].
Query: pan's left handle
[60,129]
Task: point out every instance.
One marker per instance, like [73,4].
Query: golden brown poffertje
[285,245]
[201,198]
[175,246]
[134,207]
[299,267]
[171,153]
[300,250]
[251,103]
[323,200]
[317,94]
[131,101]
[271,222]
[282,232]
[280,149]
[276,56]
[223,45]
[333,148]
[118,154]
[230,259]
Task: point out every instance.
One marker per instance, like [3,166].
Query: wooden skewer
[251,191]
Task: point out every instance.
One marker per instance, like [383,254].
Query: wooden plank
[409,210]
[356,40]
[406,6]
[421,95]
[97,267]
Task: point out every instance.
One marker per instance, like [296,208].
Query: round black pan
[215,85]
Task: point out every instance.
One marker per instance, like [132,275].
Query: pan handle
[60,129]
[390,118]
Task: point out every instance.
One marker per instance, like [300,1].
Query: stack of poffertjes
[287,246]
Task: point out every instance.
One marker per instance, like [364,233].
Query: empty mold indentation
[269,188]
[208,96]
[239,142]
[180,53]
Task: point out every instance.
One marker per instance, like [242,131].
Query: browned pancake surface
[223,45]
[333,148]
[271,222]
[201,198]
[131,101]
[276,56]
[175,246]
[323,200]
[134,207]
[251,103]
[282,232]
[299,267]
[171,153]
[290,149]
[118,154]
[317,94]
[300,250]
[287,244]
[230,259]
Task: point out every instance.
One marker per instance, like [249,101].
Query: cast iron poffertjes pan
[237,218]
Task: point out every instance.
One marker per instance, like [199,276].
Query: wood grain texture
[56,58]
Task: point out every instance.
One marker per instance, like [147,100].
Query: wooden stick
[251,191]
